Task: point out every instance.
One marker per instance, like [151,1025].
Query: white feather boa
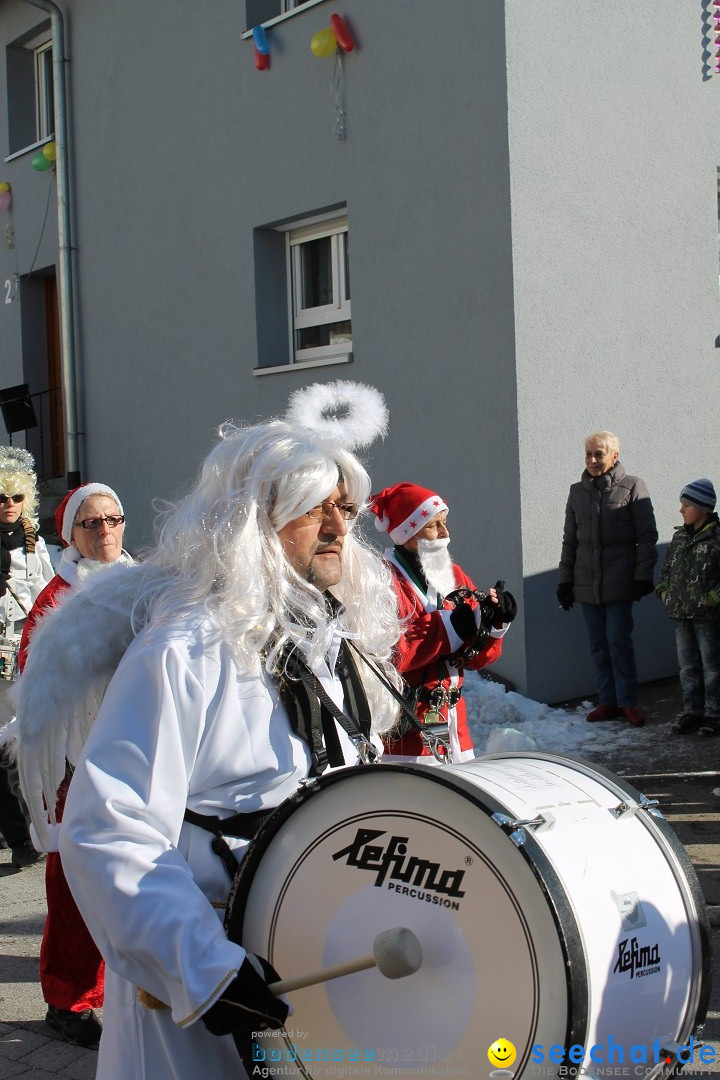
[76,648]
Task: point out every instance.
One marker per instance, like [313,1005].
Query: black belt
[438,697]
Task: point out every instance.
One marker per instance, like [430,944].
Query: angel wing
[76,648]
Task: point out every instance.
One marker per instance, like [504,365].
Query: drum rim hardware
[514,826]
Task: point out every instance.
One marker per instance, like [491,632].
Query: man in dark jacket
[609,550]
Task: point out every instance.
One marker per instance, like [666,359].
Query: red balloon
[342,33]
[262,60]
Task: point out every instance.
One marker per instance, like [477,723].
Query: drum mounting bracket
[629,808]
[514,826]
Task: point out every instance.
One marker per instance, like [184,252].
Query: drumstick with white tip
[396,953]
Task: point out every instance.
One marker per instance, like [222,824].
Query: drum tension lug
[514,826]
[629,809]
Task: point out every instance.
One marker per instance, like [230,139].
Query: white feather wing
[75,650]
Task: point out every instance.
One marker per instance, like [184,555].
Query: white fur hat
[68,508]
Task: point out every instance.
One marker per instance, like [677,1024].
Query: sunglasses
[4,499]
[112,521]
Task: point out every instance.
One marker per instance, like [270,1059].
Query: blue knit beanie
[699,493]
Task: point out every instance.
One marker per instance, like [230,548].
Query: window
[265,11]
[319,280]
[31,105]
[44,92]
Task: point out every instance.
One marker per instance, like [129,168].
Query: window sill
[29,149]
[285,15]
[301,365]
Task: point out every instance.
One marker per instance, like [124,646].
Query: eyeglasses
[112,521]
[348,510]
[10,498]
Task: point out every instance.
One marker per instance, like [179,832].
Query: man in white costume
[257,574]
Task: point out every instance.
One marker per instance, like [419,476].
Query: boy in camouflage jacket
[689,587]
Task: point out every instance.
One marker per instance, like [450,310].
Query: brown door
[54,379]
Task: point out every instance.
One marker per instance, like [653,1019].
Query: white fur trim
[77,499]
[343,414]
[420,517]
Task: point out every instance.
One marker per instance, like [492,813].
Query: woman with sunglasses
[25,570]
[90,523]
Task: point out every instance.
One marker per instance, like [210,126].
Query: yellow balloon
[4,186]
[49,151]
[324,43]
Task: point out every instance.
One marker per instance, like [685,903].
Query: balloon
[343,35]
[324,43]
[40,163]
[5,200]
[262,60]
[50,151]
[261,41]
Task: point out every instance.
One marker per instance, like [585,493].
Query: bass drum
[554,906]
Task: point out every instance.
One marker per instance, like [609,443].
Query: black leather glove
[463,621]
[506,608]
[641,588]
[246,1005]
[566,595]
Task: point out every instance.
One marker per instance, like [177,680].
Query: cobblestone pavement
[682,772]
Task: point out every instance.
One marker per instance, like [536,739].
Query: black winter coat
[610,537]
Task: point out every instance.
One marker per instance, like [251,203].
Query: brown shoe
[634,716]
[604,712]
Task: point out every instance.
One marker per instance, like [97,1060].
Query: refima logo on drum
[402,872]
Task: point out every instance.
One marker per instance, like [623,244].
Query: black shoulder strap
[297,669]
[434,736]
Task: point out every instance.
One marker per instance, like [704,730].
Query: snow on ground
[502,720]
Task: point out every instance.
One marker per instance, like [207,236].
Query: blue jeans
[698,650]
[609,628]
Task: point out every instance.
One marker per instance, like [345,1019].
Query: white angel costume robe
[179,726]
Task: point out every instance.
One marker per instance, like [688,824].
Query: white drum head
[411,846]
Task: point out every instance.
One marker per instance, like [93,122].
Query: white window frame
[286,13]
[44,118]
[339,310]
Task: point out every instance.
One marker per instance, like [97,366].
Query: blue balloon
[261,40]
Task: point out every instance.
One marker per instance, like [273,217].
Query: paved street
[682,772]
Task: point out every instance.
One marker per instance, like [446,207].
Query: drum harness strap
[312,714]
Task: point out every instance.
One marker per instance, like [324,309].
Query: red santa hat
[403,509]
[71,503]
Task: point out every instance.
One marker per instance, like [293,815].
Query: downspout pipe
[66,300]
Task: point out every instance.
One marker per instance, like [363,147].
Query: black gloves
[641,588]
[466,621]
[566,595]
[246,1005]
[506,608]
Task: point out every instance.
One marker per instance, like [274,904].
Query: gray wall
[614,148]
[178,165]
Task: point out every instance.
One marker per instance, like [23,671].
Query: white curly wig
[17,477]
[220,547]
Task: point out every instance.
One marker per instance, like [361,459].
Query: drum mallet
[396,953]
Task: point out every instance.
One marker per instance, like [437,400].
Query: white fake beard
[436,564]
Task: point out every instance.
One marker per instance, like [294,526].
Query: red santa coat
[72,971]
[421,658]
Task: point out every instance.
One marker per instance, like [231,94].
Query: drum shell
[526,949]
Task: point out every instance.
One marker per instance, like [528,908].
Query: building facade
[505,219]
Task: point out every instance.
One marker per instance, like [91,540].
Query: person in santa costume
[443,635]
[90,524]
[224,670]
[25,569]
